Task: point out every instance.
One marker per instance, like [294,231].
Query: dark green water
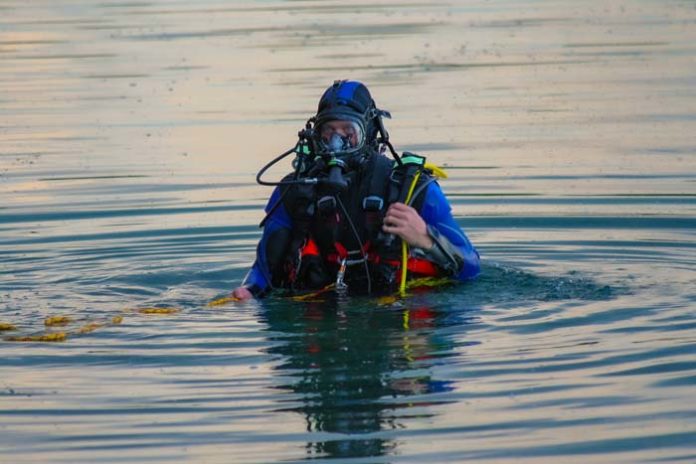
[130,134]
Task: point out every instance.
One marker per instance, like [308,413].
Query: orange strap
[310,248]
[342,253]
[422,267]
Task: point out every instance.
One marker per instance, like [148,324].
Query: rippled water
[130,133]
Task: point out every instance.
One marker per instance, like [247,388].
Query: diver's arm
[452,250]
[275,233]
[434,235]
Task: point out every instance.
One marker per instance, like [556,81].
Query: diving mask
[340,137]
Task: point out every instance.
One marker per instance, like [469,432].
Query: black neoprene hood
[350,100]
[345,96]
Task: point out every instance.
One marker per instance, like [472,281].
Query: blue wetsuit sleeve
[437,214]
[258,280]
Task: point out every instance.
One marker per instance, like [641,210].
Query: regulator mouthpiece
[337,143]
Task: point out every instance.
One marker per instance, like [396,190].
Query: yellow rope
[92,326]
[404,246]
[7,326]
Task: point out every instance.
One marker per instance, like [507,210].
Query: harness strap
[381,169]
[374,204]
[414,166]
[343,253]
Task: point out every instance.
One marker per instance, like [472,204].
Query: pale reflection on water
[130,134]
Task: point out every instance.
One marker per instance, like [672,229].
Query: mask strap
[384,135]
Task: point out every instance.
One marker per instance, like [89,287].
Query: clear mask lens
[340,135]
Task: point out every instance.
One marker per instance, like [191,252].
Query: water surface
[130,134]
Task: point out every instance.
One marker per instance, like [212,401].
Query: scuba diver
[349,217]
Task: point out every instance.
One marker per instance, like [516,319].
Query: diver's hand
[242,293]
[404,221]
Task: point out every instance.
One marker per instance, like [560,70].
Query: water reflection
[361,370]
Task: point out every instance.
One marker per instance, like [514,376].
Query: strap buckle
[326,205]
[372,203]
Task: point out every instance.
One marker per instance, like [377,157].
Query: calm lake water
[130,134]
